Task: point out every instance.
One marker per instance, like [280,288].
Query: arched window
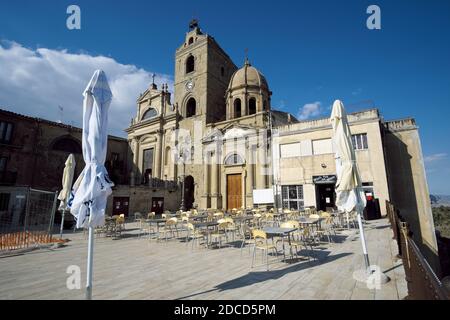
[191,40]
[167,156]
[233,159]
[190,64]
[150,113]
[252,106]
[191,105]
[68,145]
[237,108]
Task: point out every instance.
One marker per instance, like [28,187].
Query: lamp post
[182,208]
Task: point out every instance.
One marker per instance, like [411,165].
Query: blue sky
[311,52]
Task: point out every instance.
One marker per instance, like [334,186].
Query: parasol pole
[90,261]
[62,224]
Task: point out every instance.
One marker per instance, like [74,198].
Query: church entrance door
[234,191]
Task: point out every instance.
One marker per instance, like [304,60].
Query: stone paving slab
[137,268]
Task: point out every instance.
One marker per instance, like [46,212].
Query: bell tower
[202,73]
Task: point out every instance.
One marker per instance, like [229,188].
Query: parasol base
[373,277]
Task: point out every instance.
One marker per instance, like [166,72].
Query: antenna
[61,114]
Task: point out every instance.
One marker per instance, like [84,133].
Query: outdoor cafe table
[200,217]
[207,226]
[310,221]
[280,232]
[157,222]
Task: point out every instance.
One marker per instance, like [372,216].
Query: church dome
[247,76]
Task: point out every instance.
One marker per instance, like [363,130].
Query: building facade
[219,138]
[212,138]
[33,153]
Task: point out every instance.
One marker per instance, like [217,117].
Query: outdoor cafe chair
[326,229]
[170,227]
[257,220]
[220,233]
[295,243]
[193,234]
[247,239]
[307,236]
[268,220]
[218,215]
[137,216]
[262,244]
[151,215]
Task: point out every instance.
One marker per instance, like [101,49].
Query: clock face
[189,85]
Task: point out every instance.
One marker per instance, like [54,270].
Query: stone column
[205,196]
[260,178]
[215,181]
[135,167]
[249,179]
[157,173]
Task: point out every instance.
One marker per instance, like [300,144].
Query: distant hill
[440,200]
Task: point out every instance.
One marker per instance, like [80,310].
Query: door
[234,191]
[157,205]
[121,205]
[189,186]
[325,196]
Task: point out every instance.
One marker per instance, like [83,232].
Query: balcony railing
[423,283]
[157,183]
[8,178]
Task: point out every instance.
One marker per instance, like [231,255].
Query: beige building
[212,136]
[219,138]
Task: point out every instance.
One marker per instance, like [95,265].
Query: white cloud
[36,82]
[435,157]
[310,110]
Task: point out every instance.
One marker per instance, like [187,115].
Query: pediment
[237,131]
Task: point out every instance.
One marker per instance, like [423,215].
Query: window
[68,145]
[191,108]
[192,153]
[150,113]
[234,159]
[237,108]
[323,146]
[147,164]
[222,71]
[5,132]
[191,40]
[4,201]
[292,197]
[290,150]
[3,164]
[252,106]
[190,64]
[167,156]
[360,141]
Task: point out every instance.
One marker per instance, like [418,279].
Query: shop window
[292,197]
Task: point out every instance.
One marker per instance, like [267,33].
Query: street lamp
[181,157]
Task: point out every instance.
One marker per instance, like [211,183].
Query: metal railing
[28,219]
[422,282]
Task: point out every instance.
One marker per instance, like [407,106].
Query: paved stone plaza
[136,268]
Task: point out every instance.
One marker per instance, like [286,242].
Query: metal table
[280,232]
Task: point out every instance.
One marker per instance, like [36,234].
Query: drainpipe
[35,151]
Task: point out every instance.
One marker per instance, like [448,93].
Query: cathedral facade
[212,136]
